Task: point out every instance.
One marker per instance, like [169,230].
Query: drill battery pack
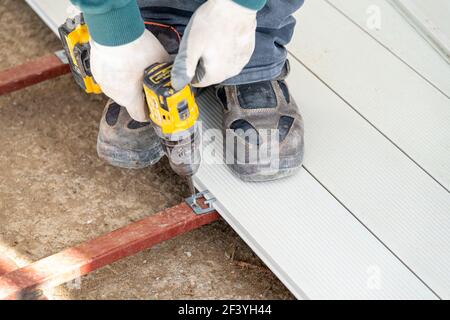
[74,36]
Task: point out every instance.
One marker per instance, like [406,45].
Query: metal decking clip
[196,207]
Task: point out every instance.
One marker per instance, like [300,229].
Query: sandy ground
[56,193]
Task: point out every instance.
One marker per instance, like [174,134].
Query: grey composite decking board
[395,199]
[52,12]
[398,36]
[307,238]
[402,105]
[431,19]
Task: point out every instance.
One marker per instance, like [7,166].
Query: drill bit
[192,188]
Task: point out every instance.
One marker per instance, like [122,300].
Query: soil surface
[55,193]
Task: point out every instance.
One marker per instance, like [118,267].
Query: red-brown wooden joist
[6,265]
[87,257]
[35,71]
[17,283]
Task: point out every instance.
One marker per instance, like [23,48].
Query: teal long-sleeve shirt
[118,22]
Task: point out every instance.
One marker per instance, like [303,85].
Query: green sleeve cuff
[117,26]
[252,4]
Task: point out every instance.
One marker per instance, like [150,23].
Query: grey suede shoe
[263,130]
[126,143]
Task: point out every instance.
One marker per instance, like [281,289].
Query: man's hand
[217,44]
[120,71]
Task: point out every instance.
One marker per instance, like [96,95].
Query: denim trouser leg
[275,29]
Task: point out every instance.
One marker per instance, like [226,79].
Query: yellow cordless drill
[74,36]
[174,113]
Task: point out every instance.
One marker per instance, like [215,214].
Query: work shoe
[126,143]
[263,130]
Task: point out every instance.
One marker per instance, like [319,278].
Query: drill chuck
[183,152]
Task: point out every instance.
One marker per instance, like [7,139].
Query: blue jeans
[275,29]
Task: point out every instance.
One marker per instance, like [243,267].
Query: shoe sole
[288,166]
[128,159]
[263,177]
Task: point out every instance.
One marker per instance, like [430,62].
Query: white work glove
[119,71]
[217,44]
